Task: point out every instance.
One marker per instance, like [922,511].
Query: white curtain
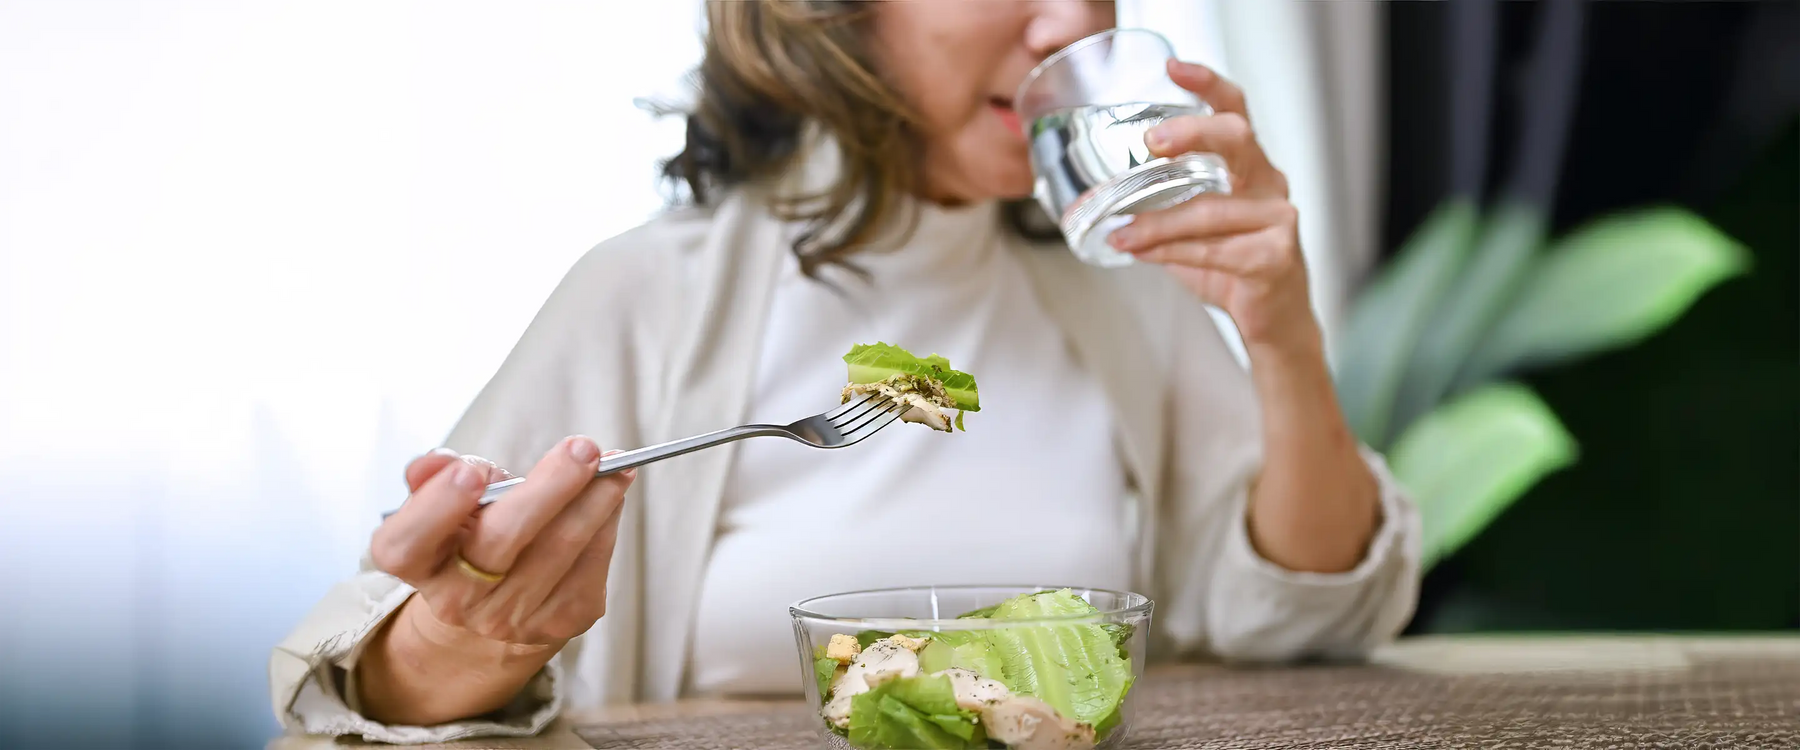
[254,256]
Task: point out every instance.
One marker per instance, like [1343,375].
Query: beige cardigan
[651,337]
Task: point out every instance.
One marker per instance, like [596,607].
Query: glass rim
[1078,45]
[803,609]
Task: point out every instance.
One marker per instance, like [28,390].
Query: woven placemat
[1723,701]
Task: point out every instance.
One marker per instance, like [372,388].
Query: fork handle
[632,459]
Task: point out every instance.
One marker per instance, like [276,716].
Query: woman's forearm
[1316,504]
[418,672]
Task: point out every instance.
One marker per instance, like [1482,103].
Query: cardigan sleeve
[311,672]
[1220,596]
[576,370]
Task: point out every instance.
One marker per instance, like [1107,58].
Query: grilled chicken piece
[974,692]
[1026,723]
[883,660]
[928,404]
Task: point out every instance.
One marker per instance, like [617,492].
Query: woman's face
[958,63]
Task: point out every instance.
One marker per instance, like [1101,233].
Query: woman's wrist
[1297,347]
[418,671]
[1316,504]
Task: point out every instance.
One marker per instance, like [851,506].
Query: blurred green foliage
[1472,299]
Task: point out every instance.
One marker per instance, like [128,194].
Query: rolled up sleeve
[311,683]
[1261,611]
[1219,597]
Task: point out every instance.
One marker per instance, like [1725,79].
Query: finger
[494,471]
[1220,94]
[1205,217]
[414,542]
[580,597]
[506,528]
[554,551]
[570,605]
[1228,135]
[1261,254]
[427,466]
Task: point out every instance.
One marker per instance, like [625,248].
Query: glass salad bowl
[957,667]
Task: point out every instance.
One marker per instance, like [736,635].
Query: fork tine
[876,419]
[841,410]
[864,431]
[869,405]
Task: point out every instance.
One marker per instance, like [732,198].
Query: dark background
[1683,512]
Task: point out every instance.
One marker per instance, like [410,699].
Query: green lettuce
[964,649]
[824,668]
[913,713]
[1079,670]
[873,363]
[978,614]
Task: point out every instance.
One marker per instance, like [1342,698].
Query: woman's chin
[1019,189]
[1002,182]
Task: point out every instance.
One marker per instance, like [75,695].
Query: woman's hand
[500,588]
[1241,251]
[550,543]
[1315,505]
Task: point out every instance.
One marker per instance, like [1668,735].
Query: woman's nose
[1057,23]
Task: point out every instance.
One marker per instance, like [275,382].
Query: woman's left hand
[1241,251]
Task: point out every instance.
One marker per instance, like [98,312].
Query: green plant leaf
[1500,260]
[1468,460]
[1609,284]
[1390,312]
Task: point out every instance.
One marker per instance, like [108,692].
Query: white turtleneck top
[1032,493]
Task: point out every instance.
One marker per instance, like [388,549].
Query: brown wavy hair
[770,69]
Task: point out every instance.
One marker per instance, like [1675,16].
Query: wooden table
[1554,684]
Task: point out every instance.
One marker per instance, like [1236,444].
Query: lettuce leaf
[1083,671]
[823,670]
[913,713]
[1080,670]
[873,363]
[960,650]
[978,656]
[978,614]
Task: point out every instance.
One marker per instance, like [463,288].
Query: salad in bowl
[956,667]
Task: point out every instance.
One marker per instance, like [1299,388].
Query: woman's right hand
[499,588]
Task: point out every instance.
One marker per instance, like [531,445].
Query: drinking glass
[1087,107]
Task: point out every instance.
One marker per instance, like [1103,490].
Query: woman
[848,163]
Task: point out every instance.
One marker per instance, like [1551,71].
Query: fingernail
[469,476]
[442,452]
[583,449]
[1120,238]
[613,452]
[630,475]
[1156,138]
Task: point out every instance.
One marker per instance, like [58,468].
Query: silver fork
[846,425]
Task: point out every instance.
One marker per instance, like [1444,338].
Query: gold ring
[477,573]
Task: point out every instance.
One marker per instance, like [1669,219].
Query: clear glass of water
[1088,107]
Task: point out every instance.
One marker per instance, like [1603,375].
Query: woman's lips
[1008,117]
